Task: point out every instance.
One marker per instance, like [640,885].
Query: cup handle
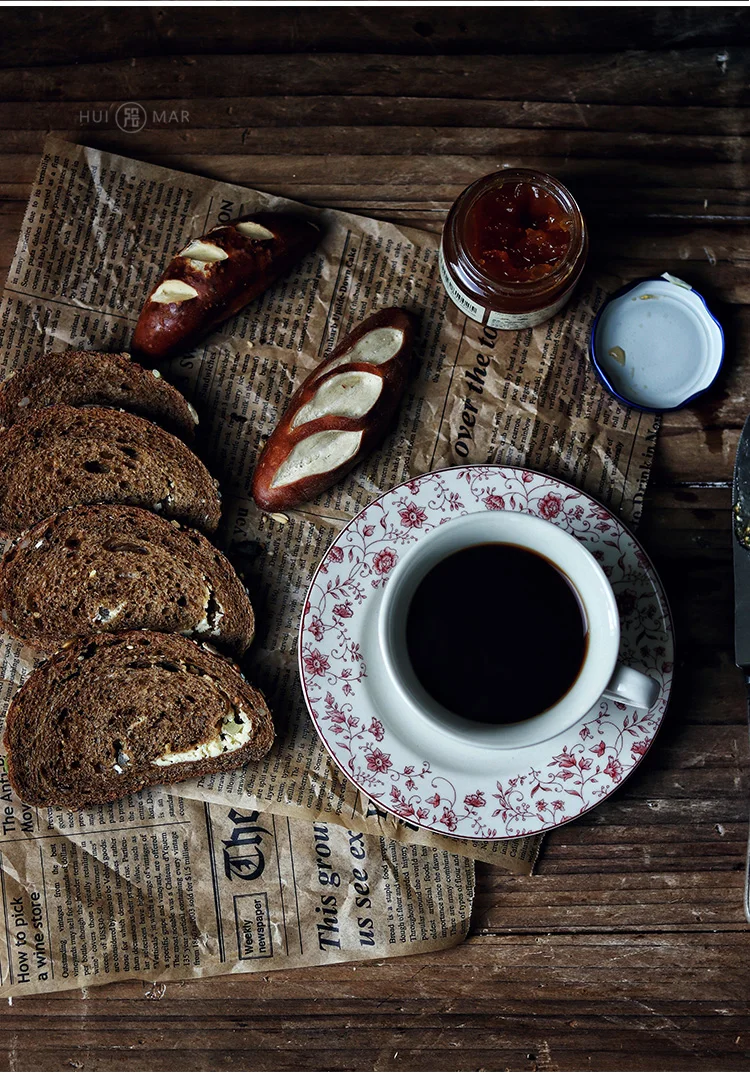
[633,688]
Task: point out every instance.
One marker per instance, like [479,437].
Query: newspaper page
[98,231]
[159,887]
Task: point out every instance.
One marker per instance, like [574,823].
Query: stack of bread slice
[110,572]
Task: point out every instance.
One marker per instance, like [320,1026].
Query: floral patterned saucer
[419,775]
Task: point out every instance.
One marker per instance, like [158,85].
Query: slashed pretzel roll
[215,276]
[340,413]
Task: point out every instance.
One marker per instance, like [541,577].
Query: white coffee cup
[600,676]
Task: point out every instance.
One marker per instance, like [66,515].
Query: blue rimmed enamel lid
[656,345]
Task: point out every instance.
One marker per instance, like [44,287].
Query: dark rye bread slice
[62,456]
[100,719]
[75,377]
[90,569]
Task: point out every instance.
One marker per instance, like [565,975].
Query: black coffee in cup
[496,633]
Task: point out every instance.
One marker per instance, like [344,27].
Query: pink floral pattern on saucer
[519,792]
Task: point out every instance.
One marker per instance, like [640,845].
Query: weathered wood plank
[210,116]
[698,850]
[633,1052]
[690,77]
[445,175]
[522,1002]
[47,37]
[631,902]
[184,135]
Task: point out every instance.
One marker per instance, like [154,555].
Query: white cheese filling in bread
[236,730]
[204,251]
[253,230]
[107,613]
[376,347]
[351,394]
[318,453]
[213,613]
[173,292]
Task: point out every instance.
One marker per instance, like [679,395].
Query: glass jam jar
[513,247]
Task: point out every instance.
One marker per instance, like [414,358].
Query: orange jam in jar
[513,248]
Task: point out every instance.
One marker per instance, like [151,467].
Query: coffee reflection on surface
[496,633]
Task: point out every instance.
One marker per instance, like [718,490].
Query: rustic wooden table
[628,949]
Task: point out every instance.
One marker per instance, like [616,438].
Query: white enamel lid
[656,345]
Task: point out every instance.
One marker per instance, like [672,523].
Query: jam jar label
[460,299]
[501,320]
[498,320]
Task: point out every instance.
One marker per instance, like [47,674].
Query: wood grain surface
[628,949]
